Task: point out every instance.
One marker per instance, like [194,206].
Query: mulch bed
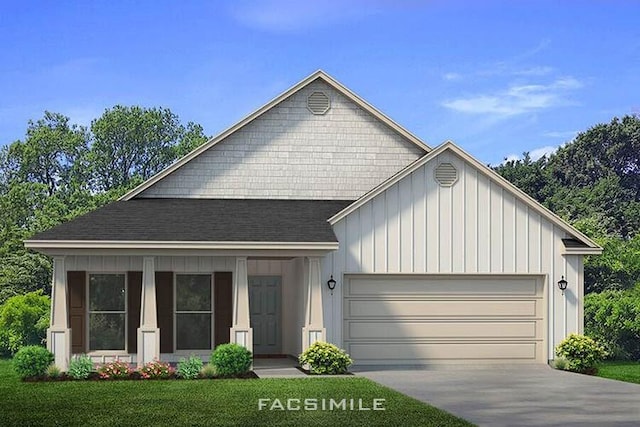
[134,376]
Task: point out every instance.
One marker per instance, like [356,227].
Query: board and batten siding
[291,153]
[475,226]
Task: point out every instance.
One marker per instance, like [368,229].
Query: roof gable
[589,245]
[317,78]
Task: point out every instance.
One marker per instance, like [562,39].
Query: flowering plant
[114,370]
[156,370]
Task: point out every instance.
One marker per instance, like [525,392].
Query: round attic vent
[446,174]
[318,103]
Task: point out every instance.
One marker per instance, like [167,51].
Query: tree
[23,321]
[132,142]
[49,153]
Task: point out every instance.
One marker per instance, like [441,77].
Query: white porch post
[313,329]
[241,331]
[148,332]
[58,333]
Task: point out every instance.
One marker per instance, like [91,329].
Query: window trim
[200,351]
[116,352]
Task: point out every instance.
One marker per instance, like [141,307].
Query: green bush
[560,363]
[582,353]
[53,371]
[80,367]
[613,319]
[32,361]
[208,371]
[189,369]
[231,360]
[24,320]
[325,358]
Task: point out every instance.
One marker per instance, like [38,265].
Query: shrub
[325,358]
[156,370]
[231,360]
[189,369]
[53,371]
[560,363]
[114,370]
[32,361]
[80,367]
[582,353]
[613,319]
[24,320]
[208,371]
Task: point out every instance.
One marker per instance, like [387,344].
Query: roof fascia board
[266,107]
[491,174]
[111,244]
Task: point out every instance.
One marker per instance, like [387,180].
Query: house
[431,256]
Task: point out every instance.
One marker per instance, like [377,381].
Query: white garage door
[444,319]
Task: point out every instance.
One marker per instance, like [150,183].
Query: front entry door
[265,304]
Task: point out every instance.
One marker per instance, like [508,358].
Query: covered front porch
[138,307]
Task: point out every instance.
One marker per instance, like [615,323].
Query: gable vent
[318,103]
[446,174]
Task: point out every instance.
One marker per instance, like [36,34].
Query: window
[107,311]
[193,312]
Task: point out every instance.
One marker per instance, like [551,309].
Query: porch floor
[282,367]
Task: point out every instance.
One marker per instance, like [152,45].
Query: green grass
[203,402]
[622,371]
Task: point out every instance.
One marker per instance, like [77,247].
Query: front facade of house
[436,258]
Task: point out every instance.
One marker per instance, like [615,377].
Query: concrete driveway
[528,395]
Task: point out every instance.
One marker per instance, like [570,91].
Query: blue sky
[497,77]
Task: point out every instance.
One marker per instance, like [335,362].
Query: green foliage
[189,369]
[156,370]
[137,142]
[560,363]
[208,371]
[80,367]
[325,358]
[53,371]
[115,370]
[231,360]
[613,319]
[594,183]
[582,353]
[24,320]
[32,361]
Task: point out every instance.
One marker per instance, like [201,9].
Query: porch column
[313,329]
[241,331]
[148,332]
[58,333]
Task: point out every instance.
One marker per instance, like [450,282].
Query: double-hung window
[193,311]
[107,311]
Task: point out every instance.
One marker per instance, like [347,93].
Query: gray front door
[265,299]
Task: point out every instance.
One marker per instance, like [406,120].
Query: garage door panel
[393,319]
[456,308]
[409,330]
[499,285]
[375,353]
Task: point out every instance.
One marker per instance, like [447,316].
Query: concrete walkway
[277,368]
[528,395]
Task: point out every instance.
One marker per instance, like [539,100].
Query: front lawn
[622,371]
[205,402]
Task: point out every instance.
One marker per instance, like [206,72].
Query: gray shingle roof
[216,220]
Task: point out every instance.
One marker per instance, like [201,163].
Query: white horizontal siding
[290,153]
[474,226]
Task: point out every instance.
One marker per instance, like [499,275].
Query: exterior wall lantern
[331,284]
[562,284]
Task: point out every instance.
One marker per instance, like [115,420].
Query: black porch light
[331,284]
[562,284]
